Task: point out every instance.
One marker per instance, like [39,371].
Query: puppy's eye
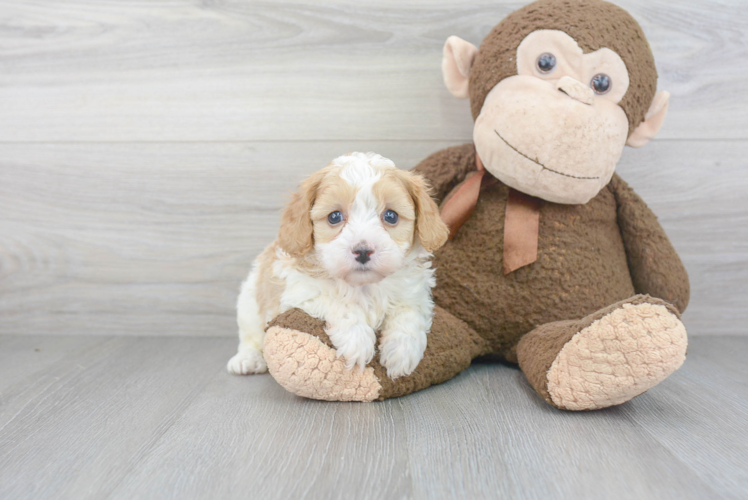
[335,217]
[601,83]
[390,217]
[546,63]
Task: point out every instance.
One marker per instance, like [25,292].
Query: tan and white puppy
[353,249]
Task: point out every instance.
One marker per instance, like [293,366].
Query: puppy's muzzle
[363,254]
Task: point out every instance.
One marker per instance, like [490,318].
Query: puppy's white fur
[312,266]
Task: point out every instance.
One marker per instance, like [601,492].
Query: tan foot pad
[617,357]
[305,366]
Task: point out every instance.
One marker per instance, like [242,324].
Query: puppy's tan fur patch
[333,193]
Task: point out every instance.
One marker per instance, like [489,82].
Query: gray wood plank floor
[145,417]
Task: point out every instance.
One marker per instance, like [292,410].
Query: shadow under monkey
[554,263]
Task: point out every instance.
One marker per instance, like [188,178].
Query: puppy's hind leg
[249,358]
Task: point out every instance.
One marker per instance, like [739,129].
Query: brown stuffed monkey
[554,262]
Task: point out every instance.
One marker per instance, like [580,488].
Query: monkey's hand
[654,264]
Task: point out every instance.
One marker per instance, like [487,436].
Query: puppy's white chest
[323,298]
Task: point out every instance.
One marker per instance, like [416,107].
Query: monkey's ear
[456,63]
[652,121]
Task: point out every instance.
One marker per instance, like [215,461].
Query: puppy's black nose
[362,254]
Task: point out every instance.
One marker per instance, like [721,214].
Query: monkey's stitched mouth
[540,164]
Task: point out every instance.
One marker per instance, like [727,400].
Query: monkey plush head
[557,89]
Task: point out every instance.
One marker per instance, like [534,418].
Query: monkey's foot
[307,365]
[301,358]
[607,358]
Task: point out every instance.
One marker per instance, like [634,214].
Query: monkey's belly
[581,268]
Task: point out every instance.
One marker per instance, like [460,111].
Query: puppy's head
[361,217]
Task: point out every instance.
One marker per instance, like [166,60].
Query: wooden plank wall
[146,148]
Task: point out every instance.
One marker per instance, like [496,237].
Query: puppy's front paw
[400,353]
[355,344]
[247,361]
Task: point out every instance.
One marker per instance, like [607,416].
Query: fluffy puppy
[353,249]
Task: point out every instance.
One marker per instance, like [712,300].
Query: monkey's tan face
[555,129]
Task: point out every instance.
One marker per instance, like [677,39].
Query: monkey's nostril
[575,90]
[363,254]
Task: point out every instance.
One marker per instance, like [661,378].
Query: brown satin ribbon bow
[521,222]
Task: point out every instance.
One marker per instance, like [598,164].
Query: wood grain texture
[709,401]
[301,70]
[697,188]
[155,238]
[75,429]
[132,418]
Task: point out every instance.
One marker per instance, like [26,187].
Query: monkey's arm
[654,264]
[447,168]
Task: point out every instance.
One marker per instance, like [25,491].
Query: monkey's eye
[546,63]
[390,217]
[601,83]
[335,218]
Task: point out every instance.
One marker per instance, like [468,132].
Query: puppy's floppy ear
[296,234]
[430,228]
